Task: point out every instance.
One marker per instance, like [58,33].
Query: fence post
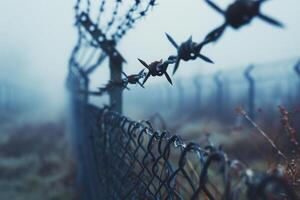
[180,95]
[88,184]
[197,85]
[251,91]
[8,99]
[219,96]
[84,85]
[115,95]
[2,98]
[297,68]
[168,97]
[115,58]
[2,88]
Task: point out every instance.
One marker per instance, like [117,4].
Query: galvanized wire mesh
[136,162]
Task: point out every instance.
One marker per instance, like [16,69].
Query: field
[35,160]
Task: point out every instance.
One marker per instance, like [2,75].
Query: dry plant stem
[286,122]
[194,171]
[264,134]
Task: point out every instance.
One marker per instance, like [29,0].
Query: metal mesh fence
[136,162]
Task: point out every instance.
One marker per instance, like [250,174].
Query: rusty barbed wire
[133,79]
[238,14]
[88,54]
[158,68]
[131,18]
[113,17]
[187,51]
[119,23]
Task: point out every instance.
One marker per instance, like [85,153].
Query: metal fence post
[2,97]
[297,68]
[251,91]
[8,100]
[197,85]
[169,103]
[115,95]
[88,184]
[180,95]
[115,58]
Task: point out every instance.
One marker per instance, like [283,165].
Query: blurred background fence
[15,99]
[258,88]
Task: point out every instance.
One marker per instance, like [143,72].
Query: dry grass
[35,161]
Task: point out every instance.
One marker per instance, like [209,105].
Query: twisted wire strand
[131,18]
[113,17]
[100,12]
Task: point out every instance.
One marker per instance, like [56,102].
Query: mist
[37,38]
[47,130]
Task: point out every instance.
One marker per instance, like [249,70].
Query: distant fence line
[4,96]
[227,89]
[14,98]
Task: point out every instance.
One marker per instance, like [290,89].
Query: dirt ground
[35,161]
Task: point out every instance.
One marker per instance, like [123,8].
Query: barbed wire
[122,22]
[86,55]
[133,79]
[130,19]
[238,14]
[188,50]
[113,17]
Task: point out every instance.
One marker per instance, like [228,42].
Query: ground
[35,160]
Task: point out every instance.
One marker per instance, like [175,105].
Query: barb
[135,78]
[157,68]
[237,15]
[187,51]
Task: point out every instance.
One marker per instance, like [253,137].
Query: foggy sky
[37,36]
